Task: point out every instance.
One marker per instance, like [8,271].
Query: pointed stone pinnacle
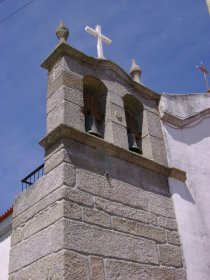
[135,71]
[62,32]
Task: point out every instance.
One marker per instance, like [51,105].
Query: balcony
[32,177]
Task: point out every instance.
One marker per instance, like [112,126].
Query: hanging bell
[132,143]
[91,125]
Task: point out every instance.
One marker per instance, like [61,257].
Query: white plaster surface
[4,258]
[188,149]
[184,105]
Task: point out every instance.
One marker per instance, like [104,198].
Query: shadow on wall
[189,149]
[181,189]
[191,135]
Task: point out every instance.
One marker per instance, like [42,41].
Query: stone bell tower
[102,210]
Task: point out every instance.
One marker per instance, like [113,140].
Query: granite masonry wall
[100,212]
[79,222]
[65,104]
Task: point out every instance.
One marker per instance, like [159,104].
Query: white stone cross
[100,38]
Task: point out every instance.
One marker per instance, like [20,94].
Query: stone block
[40,221]
[116,99]
[72,80]
[54,83]
[68,173]
[72,211]
[170,255]
[73,96]
[96,155]
[109,83]
[73,116]
[161,205]
[108,133]
[93,216]
[108,115]
[139,229]
[17,235]
[78,197]
[37,246]
[76,267]
[120,137]
[118,115]
[44,203]
[154,149]
[155,183]
[73,147]
[83,237]
[72,153]
[47,217]
[151,125]
[167,223]
[96,268]
[66,78]
[55,117]
[149,104]
[55,159]
[50,267]
[62,174]
[147,147]
[74,65]
[54,149]
[121,89]
[111,189]
[86,180]
[58,67]
[55,99]
[116,270]
[119,171]
[63,265]
[66,113]
[64,93]
[64,192]
[90,164]
[158,150]
[122,210]
[173,237]
[151,107]
[116,134]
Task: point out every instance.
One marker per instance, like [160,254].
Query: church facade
[112,203]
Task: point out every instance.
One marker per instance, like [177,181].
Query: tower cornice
[66,132]
[64,49]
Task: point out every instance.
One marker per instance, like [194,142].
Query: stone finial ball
[135,68]
[62,32]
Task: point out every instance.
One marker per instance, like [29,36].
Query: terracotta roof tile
[6,214]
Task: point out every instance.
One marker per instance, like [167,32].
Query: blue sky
[167,38]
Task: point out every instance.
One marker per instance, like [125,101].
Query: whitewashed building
[186,127]
[5,234]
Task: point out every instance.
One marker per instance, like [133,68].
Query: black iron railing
[31,178]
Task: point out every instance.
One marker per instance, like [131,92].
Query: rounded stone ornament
[135,71]
[62,32]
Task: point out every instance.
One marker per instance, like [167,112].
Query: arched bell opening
[94,94]
[134,120]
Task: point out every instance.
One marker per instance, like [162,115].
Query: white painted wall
[4,258]
[188,149]
[5,233]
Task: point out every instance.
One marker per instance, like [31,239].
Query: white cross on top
[100,38]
